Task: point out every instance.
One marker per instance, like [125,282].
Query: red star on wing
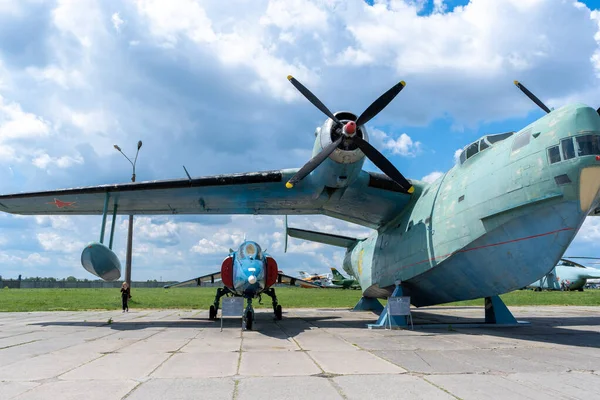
[62,204]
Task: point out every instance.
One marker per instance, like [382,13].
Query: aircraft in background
[312,278]
[498,220]
[567,275]
[248,273]
[341,280]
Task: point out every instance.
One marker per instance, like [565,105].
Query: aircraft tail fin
[336,274]
[319,237]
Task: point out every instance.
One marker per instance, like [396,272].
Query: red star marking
[62,204]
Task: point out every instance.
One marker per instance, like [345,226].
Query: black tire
[278,312]
[212,312]
[249,318]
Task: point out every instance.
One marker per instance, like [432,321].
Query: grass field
[202,298]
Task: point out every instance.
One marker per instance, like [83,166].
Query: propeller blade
[313,163]
[379,104]
[383,164]
[312,98]
[532,97]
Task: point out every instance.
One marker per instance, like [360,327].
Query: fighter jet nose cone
[252,279]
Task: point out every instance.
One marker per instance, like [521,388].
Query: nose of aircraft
[249,276]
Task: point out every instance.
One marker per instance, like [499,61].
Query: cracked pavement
[321,353]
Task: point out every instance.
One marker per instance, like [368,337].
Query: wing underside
[371,200]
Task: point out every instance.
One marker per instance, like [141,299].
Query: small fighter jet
[248,273]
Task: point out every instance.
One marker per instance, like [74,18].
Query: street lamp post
[130,231]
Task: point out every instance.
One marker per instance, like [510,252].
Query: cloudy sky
[203,84]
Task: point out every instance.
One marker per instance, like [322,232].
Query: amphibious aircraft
[341,280]
[248,273]
[498,220]
[567,275]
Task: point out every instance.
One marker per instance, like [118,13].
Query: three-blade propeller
[349,133]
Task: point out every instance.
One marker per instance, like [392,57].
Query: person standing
[125,296]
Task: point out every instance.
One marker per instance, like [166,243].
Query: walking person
[125,296]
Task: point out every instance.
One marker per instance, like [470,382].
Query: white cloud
[432,177]
[63,78]
[590,230]
[457,153]
[295,14]
[403,145]
[117,21]
[202,84]
[205,246]
[155,230]
[54,242]
[168,20]
[17,124]
[82,19]
[43,161]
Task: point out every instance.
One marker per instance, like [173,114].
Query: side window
[463,156]
[567,148]
[553,155]
[522,140]
[472,150]
[483,145]
[588,145]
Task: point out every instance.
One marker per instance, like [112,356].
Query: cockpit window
[522,140]
[472,150]
[588,145]
[568,149]
[483,145]
[553,155]
[498,137]
[250,250]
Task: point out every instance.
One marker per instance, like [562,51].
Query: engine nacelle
[345,163]
[272,272]
[101,261]
[227,272]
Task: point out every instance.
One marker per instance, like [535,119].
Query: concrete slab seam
[440,388]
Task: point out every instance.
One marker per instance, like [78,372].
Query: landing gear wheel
[212,312]
[249,318]
[278,312]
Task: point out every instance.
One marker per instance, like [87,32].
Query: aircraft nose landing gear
[248,317]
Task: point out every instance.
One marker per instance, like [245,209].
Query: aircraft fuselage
[497,221]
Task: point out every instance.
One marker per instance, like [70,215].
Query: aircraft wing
[212,278]
[372,200]
[290,280]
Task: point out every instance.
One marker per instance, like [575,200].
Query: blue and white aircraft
[248,273]
[567,275]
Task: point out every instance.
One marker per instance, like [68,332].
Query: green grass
[202,298]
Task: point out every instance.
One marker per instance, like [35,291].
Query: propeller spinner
[349,133]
